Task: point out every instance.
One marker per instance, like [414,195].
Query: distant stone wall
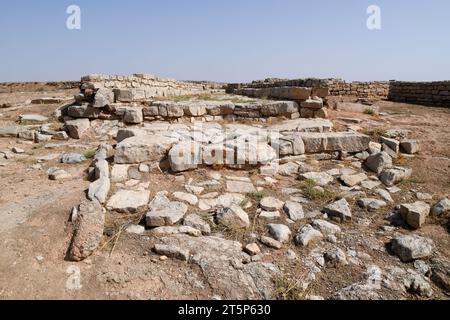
[145,86]
[319,87]
[425,93]
[374,89]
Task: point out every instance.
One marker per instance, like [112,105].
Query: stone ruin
[274,127]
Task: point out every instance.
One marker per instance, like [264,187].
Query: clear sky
[232,40]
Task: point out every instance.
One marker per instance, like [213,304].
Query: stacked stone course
[425,93]
[145,86]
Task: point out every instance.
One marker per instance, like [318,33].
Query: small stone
[410,146]
[164,212]
[415,214]
[252,249]
[172,230]
[269,215]
[128,201]
[424,196]
[233,217]
[119,172]
[390,177]
[294,210]
[326,227]
[441,207]
[195,221]
[135,229]
[186,197]
[339,209]
[335,257]
[371,204]
[306,235]
[17,150]
[172,251]
[319,178]
[369,185]
[134,174]
[391,143]
[353,180]
[143,168]
[410,248]
[194,189]
[270,242]
[240,187]
[215,175]
[73,158]
[384,195]
[271,204]
[378,162]
[56,174]
[279,232]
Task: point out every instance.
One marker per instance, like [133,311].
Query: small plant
[400,160]
[56,126]
[375,133]
[90,154]
[288,289]
[41,89]
[244,203]
[312,192]
[369,111]
[256,196]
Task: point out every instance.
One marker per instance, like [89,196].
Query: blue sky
[233,40]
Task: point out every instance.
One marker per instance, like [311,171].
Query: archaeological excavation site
[140,187]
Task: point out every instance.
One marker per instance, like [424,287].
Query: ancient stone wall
[317,87]
[374,89]
[144,86]
[425,93]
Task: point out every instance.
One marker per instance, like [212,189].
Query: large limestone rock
[410,248]
[10,131]
[133,116]
[143,148]
[88,230]
[279,108]
[164,212]
[415,214]
[83,111]
[335,141]
[77,128]
[221,264]
[128,201]
[194,109]
[33,118]
[313,104]
[103,97]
